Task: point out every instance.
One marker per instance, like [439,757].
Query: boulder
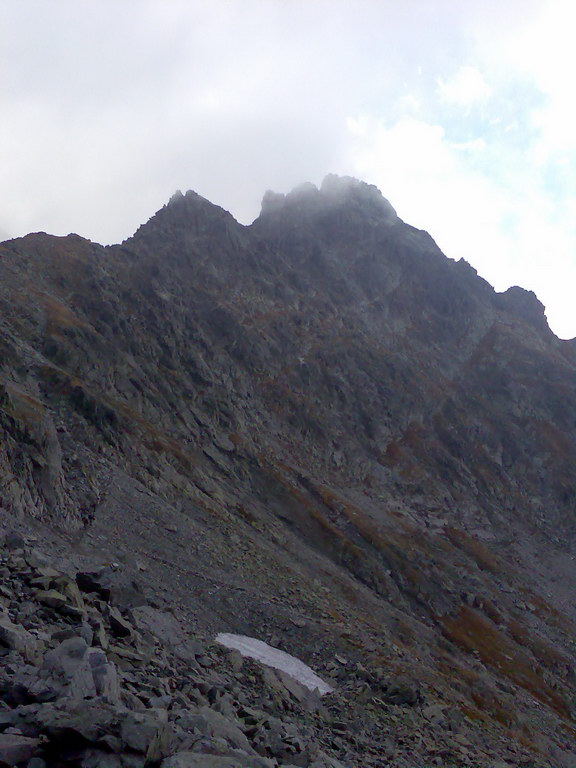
[61,603]
[83,672]
[70,590]
[211,723]
[166,628]
[26,686]
[66,657]
[105,675]
[37,559]
[112,585]
[147,734]
[68,721]
[118,624]
[52,598]
[94,582]
[15,749]
[402,693]
[13,541]
[19,639]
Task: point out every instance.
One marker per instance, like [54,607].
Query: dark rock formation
[315,430]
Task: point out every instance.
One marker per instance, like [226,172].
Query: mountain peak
[524,304]
[189,213]
[317,428]
[334,192]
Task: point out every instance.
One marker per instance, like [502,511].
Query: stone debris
[128,687]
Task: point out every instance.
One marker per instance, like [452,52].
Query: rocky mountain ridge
[315,429]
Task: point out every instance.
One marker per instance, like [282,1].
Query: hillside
[317,431]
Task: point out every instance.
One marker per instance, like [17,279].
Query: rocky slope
[317,431]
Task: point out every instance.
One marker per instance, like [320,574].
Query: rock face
[316,430]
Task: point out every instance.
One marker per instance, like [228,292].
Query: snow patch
[274,657]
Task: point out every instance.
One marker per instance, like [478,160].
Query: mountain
[317,431]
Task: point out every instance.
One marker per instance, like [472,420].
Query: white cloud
[464,88]
[428,183]
[513,235]
[469,122]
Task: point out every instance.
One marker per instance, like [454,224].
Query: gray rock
[105,675]
[119,626]
[65,634]
[13,541]
[45,572]
[16,562]
[52,598]
[37,559]
[7,718]
[147,734]
[212,723]
[96,758]
[93,582]
[310,699]
[70,590]
[165,628]
[282,740]
[66,657]
[197,760]
[132,702]
[16,749]
[87,720]
[85,672]
[87,633]
[236,660]
[160,702]
[114,585]
[36,762]
[27,686]
[100,637]
[133,761]
[128,654]
[19,639]
[271,679]
[403,693]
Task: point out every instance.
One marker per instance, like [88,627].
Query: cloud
[462,114]
[467,86]
[108,107]
[429,183]
[508,228]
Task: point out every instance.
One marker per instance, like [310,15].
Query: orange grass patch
[479,552]
[473,632]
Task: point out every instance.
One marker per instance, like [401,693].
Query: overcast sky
[462,113]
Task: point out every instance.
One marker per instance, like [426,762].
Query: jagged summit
[334,192]
[524,304]
[190,213]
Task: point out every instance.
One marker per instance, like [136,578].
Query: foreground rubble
[93,675]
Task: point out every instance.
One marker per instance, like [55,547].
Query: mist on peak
[334,192]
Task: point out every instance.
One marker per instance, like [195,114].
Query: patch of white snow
[274,657]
